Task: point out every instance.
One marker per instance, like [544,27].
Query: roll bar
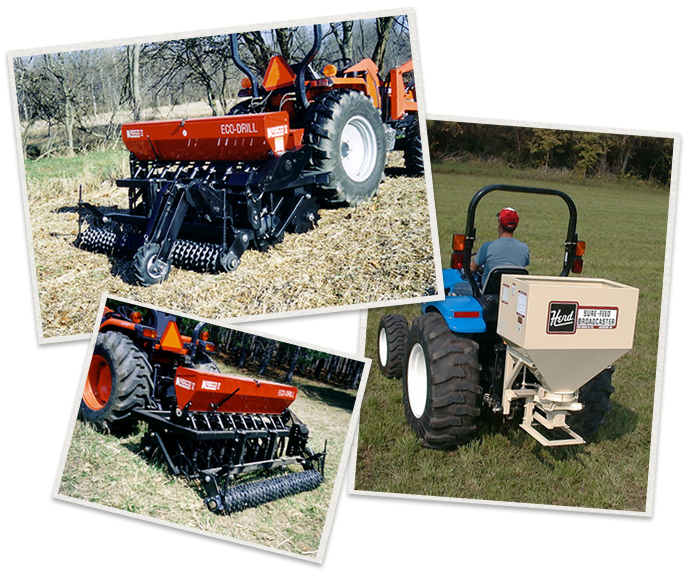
[235,55]
[303,102]
[571,235]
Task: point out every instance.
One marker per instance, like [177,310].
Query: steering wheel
[125,311]
[346,62]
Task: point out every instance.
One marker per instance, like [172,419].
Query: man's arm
[479,258]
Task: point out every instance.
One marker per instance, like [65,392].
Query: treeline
[264,356]
[589,154]
[79,99]
[260,355]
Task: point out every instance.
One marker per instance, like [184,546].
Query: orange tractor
[203,190]
[203,424]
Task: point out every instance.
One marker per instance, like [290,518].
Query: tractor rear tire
[412,151]
[347,137]
[148,269]
[393,333]
[119,380]
[441,383]
[595,399]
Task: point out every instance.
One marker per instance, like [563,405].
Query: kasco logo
[136,133]
[211,385]
[562,318]
[276,131]
[287,393]
[184,383]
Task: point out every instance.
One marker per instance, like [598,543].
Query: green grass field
[625,227]
[109,471]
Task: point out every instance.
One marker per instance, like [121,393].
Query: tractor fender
[462,314]
[451,276]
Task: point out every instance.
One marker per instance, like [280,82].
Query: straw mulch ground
[379,251]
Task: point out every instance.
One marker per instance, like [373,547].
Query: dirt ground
[379,251]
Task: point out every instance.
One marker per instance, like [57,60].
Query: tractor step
[253,494]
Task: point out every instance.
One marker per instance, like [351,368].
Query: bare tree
[133,77]
[204,61]
[63,79]
[384,26]
[344,40]
[261,45]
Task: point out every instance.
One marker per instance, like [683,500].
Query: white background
[534,54]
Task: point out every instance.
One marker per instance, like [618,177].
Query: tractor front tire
[393,333]
[412,151]
[148,268]
[347,137]
[595,397]
[119,380]
[441,383]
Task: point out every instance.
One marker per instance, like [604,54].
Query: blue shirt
[502,252]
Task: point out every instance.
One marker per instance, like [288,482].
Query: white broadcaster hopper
[571,328]
[565,331]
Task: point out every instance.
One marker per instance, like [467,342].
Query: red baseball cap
[508,218]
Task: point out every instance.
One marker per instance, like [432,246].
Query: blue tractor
[452,360]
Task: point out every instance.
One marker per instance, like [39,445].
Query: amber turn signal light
[459,242]
[329,71]
[246,82]
[580,248]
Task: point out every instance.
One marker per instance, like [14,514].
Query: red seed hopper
[237,138]
[202,391]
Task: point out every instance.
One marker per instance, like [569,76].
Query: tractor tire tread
[132,383]
[326,118]
[412,151]
[454,390]
[397,330]
[595,397]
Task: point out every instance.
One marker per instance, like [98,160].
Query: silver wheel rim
[155,267]
[358,149]
[383,348]
[417,380]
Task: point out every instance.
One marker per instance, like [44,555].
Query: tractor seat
[493,283]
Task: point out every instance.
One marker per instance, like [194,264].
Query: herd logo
[562,318]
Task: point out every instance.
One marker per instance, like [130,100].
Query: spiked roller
[253,494]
